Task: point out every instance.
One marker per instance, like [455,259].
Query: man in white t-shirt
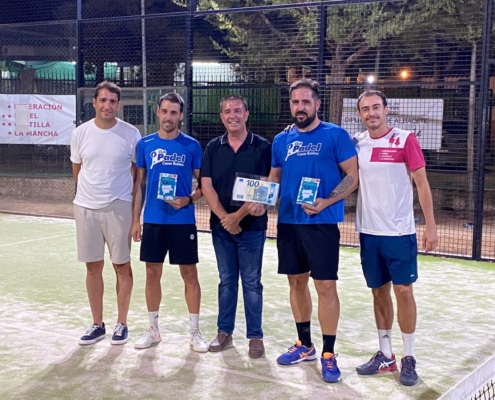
[103,155]
[389,160]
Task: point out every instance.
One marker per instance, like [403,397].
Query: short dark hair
[371,92]
[110,86]
[314,86]
[173,98]
[233,97]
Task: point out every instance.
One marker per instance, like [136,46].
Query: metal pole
[483,125]
[322,32]
[471,128]
[143,47]
[322,28]
[79,81]
[191,8]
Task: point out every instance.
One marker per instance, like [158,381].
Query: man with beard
[307,234]
[166,159]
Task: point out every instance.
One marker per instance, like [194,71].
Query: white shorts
[111,225]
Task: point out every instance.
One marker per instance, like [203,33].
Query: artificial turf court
[44,310]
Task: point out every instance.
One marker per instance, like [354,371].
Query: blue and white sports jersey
[313,154]
[180,156]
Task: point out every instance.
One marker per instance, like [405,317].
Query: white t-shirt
[106,156]
[385,195]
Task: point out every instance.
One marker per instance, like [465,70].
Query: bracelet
[190,200]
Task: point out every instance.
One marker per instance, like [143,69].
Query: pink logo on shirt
[385,154]
[391,140]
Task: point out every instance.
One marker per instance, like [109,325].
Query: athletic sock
[153,318]
[385,339]
[194,321]
[408,341]
[304,333]
[328,344]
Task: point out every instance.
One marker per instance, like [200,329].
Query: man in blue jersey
[167,161]
[308,235]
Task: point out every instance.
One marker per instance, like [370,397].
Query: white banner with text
[37,119]
[424,117]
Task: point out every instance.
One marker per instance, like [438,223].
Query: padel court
[44,310]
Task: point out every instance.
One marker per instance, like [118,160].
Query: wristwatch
[190,200]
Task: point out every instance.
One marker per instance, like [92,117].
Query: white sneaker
[197,341]
[149,337]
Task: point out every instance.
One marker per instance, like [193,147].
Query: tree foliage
[266,44]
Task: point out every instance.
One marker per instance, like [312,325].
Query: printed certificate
[308,191]
[166,186]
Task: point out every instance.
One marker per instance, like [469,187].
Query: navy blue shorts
[310,248]
[389,258]
[179,240]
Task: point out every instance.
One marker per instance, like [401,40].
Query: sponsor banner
[37,119]
[422,116]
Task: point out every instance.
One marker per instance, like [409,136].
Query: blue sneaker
[94,334]
[408,375]
[297,353]
[378,363]
[119,334]
[329,370]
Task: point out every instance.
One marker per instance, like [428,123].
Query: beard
[169,128]
[301,124]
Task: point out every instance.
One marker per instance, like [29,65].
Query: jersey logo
[160,156]
[390,155]
[394,141]
[297,147]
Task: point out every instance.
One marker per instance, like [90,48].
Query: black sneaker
[94,334]
[119,334]
[378,363]
[408,375]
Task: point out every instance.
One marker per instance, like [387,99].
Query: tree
[267,43]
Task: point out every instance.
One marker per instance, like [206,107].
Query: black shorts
[309,248]
[180,240]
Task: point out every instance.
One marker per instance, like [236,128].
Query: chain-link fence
[433,59]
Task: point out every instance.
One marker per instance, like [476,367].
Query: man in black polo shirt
[238,238]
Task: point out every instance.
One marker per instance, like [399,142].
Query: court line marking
[36,240]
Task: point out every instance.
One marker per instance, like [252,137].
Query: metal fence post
[322,33]
[191,8]
[79,64]
[483,125]
[145,83]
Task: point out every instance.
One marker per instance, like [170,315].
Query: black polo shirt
[221,163]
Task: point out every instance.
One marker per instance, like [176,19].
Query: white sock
[385,339]
[194,321]
[408,341]
[153,317]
